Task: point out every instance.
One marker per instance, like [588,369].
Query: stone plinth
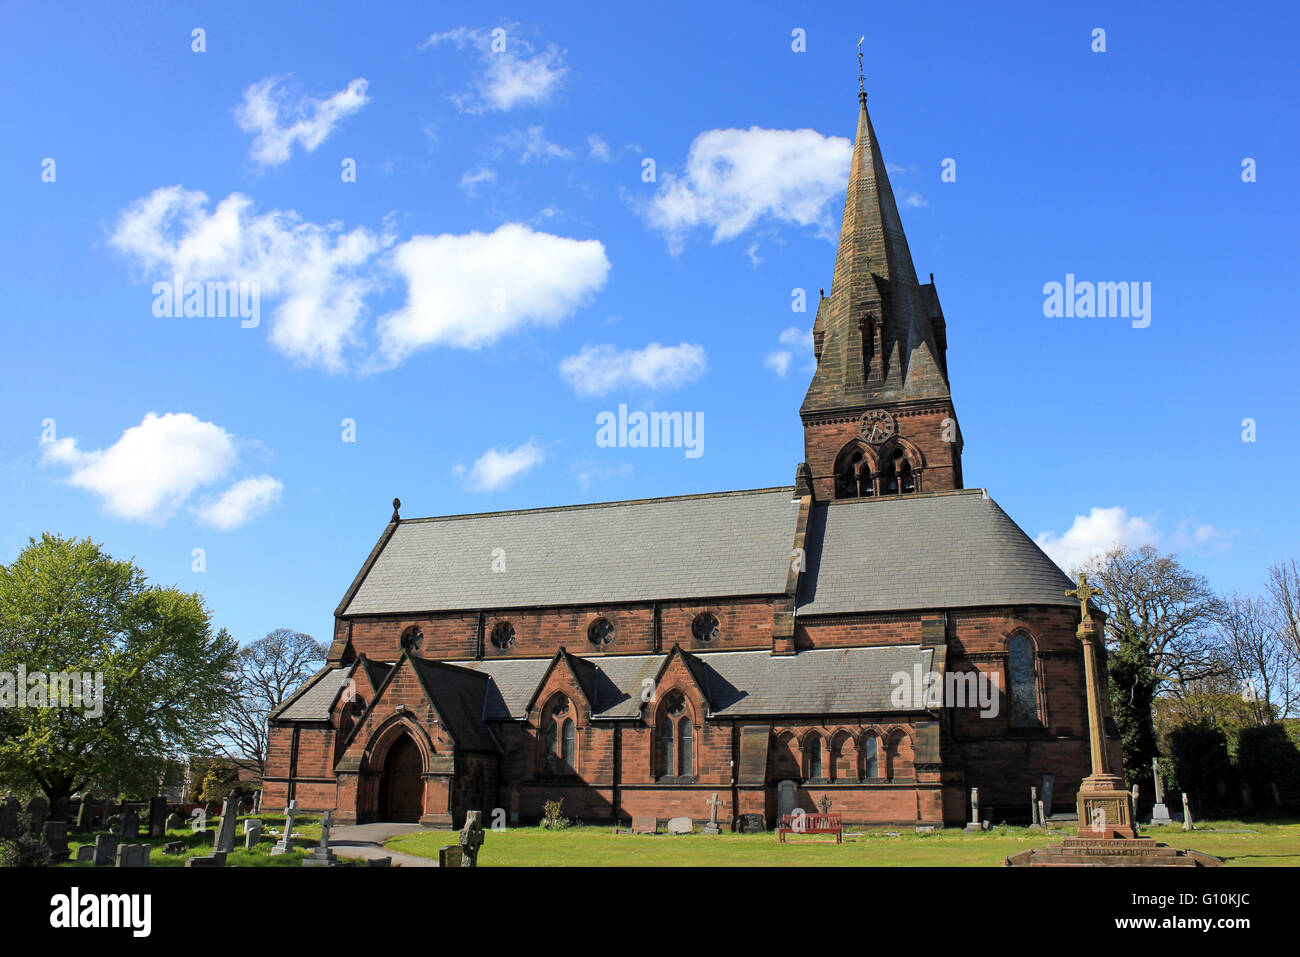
[1110,852]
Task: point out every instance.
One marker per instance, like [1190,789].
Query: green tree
[68,607]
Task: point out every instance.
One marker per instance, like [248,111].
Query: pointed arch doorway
[401,789]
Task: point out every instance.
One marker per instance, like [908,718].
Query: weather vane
[861,80]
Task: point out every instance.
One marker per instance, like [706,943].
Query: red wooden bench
[811,824]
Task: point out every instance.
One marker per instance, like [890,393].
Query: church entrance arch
[401,788]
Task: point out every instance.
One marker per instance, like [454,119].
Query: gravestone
[471,838]
[86,853]
[974,824]
[645,824]
[252,834]
[86,813]
[56,839]
[9,817]
[1160,812]
[786,794]
[1042,815]
[39,810]
[380,862]
[321,855]
[449,856]
[257,803]
[924,829]
[714,804]
[133,855]
[174,847]
[226,829]
[105,849]
[681,825]
[752,824]
[1048,786]
[218,859]
[174,821]
[1187,814]
[157,816]
[1247,798]
[284,844]
[128,827]
[1033,807]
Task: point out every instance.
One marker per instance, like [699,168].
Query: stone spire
[879,336]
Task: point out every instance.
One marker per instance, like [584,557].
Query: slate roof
[721,545]
[737,683]
[941,550]
[460,697]
[312,702]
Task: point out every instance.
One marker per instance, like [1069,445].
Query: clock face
[876,425]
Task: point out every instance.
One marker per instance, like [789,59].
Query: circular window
[503,634]
[600,632]
[705,627]
[412,639]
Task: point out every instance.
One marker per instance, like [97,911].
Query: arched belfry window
[1022,675]
[853,475]
[896,475]
[676,739]
[560,735]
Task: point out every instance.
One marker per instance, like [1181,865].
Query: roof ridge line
[628,501]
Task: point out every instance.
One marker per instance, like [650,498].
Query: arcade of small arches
[875,755]
[863,472]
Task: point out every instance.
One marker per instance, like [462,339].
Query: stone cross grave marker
[321,855]
[714,804]
[471,838]
[285,844]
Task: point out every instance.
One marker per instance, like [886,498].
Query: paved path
[366,841]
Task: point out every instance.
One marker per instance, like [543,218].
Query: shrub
[26,848]
[552,816]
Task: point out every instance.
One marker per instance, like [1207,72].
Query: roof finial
[862,89]
[397,503]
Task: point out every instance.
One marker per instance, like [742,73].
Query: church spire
[879,400]
[876,334]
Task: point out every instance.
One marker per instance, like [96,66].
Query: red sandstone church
[770,646]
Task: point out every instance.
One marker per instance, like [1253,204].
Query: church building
[876,636]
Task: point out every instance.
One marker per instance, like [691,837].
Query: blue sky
[521,174]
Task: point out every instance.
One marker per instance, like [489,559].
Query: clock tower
[878,417]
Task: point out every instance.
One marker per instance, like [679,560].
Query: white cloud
[279,119]
[470,290]
[598,149]
[798,340]
[779,361]
[316,272]
[588,473]
[462,290]
[599,369]
[479,174]
[497,468]
[532,144]
[735,178]
[1094,534]
[914,200]
[154,467]
[518,74]
[752,252]
[241,502]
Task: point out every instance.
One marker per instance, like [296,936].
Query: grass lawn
[306,831]
[1252,843]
